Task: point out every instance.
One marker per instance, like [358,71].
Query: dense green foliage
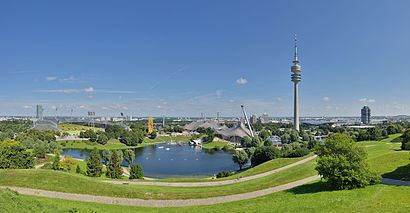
[224,174]
[240,157]
[114,169]
[405,143]
[129,156]
[136,171]
[263,154]
[14,156]
[56,162]
[94,164]
[342,163]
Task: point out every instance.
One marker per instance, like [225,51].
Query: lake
[165,160]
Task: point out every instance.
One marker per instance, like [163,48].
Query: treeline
[130,137]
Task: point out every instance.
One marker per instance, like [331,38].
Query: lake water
[166,160]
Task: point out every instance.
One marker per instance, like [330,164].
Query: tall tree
[94,164]
[240,157]
[114,169]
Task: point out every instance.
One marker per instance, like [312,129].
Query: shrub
[263,154]
[14,156]
[56,162]
[342,163]
[405,140]
[224,174]
[78,169]
[67,163]
[300,152]
[136,171]
[40,150]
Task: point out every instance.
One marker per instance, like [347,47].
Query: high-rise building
[366,113]
[254,119]
[296,77]
[39,112]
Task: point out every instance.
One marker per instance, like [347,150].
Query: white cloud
[326,98]
[241,81]
[89,90]
[51,78]
[27,107]
[367,100]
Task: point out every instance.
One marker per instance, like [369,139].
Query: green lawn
[116,144]
[383,156]
[307,198]
[68,182]
[76,129]
[217,145]
[386,158]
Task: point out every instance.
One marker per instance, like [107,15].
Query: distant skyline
[181,58]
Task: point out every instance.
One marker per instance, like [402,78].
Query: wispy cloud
[241,81]
[326,99]
[367,100]
[51,78]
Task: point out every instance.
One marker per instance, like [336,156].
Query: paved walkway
[213,183]
[389,181]
[160,203]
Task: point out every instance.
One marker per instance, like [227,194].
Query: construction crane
[247,121]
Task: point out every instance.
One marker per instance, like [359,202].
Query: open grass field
[75,129]
[68,182]
[116,144]
[307,198]
[217,145]
[384,157]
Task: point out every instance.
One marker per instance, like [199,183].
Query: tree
[67,163]
[263,154]
[78,169]
[56,162]
[102,139]
[94,164]
[246,141]
[342,163]
[114,169]
[240,157]
[14,156]
[265,134]
[136,171]
[256,142]
[405,144]
[129,156]
[40,149]
[153,134]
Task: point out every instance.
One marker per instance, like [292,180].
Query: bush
[14,156]
[300,152]
[78,169]
[224,174]
[263,154]
[40,150]
[136,171]
[342,163]
[56,162]
[67,163]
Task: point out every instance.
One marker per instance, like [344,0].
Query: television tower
[296,78]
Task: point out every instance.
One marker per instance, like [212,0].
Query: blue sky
[181,58]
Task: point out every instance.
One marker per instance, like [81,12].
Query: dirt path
[160,203]
[213,183]
[389,181]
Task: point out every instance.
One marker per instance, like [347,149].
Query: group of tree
[99,136]
[113,160]
[14,156]
[207,134]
